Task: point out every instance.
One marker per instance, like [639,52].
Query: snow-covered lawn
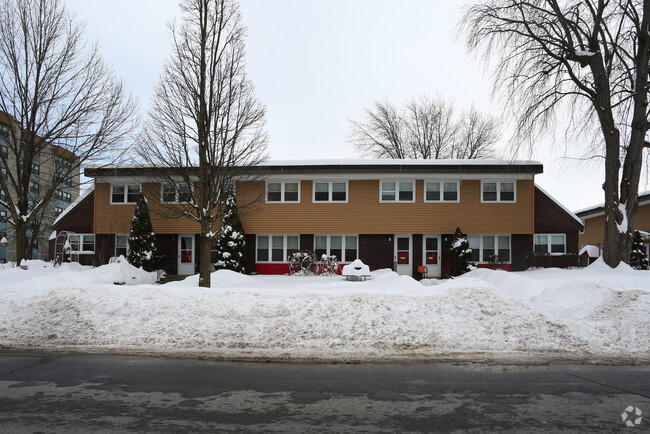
[591,314]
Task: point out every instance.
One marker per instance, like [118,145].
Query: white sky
[318,63]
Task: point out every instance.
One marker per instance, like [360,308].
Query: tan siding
[364,213]
[595,226]
[112,219]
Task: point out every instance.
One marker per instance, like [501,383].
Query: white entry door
[404,255]
[431,255]
[186,254]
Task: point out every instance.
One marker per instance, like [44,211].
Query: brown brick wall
[552,219]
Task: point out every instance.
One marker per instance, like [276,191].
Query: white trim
[549,243]
[329,191]
[397,190]
[481,259]
[269,249]
[498,183]
[369,176]
[282,191]
[442,182]
[342,260]
[81,244]
[126,193]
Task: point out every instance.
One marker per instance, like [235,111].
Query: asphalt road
[81,393]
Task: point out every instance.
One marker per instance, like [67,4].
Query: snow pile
[590,313]
[608,309]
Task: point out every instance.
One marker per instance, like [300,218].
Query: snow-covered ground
[590,314]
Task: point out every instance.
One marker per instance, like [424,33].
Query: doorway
[186,254]
[404,254]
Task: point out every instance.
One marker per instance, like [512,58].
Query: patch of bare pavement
[58,392]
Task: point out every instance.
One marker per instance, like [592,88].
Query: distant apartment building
[52,158]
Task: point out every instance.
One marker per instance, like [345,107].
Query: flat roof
[354,166]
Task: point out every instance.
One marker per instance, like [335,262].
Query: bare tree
[60,105]
[383,134]
[424,129]
[476,137]
[588,60]
[205,125]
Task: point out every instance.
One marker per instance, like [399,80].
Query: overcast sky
[318,63]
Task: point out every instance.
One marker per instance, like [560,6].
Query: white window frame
[549,243]
[282,191]
[81,244]
[127,243]
[285,255]
[498,183]
[126,193]
[176,192]
[481,259]
[397,190]
[330,191]
[442,183]
[343,260]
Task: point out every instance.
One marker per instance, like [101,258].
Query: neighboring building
[51,159]
[389,213]
[77,221]
[594,220]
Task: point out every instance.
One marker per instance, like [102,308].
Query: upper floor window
[176,193]
[498,191]
[3,214]
[397,191]
[58,210]
[330,191]
[550,243]
[283,191]
[125,193]
[439,191]
[33,187]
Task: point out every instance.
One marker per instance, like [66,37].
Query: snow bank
[590,313]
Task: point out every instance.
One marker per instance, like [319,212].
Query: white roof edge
[558,203]
[76,202]
[388,161]
[641,193]
[359,161]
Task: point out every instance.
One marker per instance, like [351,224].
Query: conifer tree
[142,240]
[638,258]
[231,243]
[459,253]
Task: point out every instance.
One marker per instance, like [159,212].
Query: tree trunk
[20,227]
[205,264]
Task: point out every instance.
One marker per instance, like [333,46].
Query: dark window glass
[263,248]
[274,192]
[431,244]
[291,192]
[488,248]
[118,194]
[402,244]
[338,192]
[277,250]
[507,191]
[321,193]
[406,191]
[133,192]
[169,194]
[293,243]
[184,194]
[433,191]
[557,243]
[489,191]
[451,191]
[474,244]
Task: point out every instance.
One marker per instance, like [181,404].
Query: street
[79,393]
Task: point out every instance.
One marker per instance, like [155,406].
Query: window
[3,214]
[58,210]
[125,193]
[438,191]
[283,191]
[550,243]
[498,191]
[344,247]
[276,248]
[67,197]
[82,244]
[330,191]
[121,245]
[485,247]
[33,187]
[397,191]
[171,195]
